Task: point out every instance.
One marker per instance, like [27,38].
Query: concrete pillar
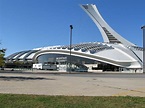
[143,28]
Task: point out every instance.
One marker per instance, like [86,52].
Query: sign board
[61,59]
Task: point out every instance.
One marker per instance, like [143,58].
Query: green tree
[2,59]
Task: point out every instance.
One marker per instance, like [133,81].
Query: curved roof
[115,54]
[21,56]
[91,47]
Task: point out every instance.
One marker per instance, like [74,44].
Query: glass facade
[52,58]
[72,62]
[77,63]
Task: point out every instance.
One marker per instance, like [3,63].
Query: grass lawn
[39,101]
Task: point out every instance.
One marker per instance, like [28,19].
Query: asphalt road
[80,74]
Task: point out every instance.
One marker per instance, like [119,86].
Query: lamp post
[70,64]
[143,28]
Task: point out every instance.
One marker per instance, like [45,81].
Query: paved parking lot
[74,84]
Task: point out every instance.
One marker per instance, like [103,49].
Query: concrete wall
[143,49]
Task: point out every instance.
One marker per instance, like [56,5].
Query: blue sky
[28,24]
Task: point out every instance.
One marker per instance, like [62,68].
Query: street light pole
[143,28]
[70,64]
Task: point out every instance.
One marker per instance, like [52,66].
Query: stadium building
[114,54]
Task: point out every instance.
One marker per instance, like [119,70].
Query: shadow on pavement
[10,78]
